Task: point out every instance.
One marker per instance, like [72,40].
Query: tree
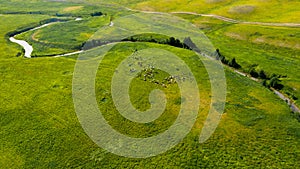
[178,43]
[262,74]
[275,83]
[224,60]
[172,41]
[234,64]
[189,44]
[96,14]
[218,54]
[274,75]
[264,83]
[253,73]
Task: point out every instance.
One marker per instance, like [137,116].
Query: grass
[262,46]
[52,137]
[249,10]
[277,37]
[39,127]
[272,49]
[63,37]
[72,8]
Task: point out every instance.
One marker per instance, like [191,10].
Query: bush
[19,54]
[275,83]
[96,14]
[234,64]
[262,74]
[265,83]
[189,44]
[219,56]
[253,73]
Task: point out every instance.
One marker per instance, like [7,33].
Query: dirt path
[33,36]
[224,18]
[241,22]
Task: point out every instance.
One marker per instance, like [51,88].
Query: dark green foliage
[63,15]
[294,97]
[275,75]
[253,73]
[262,74]
[234,64]
[219,56]
[19,54]
[96,14]
[290,92]
[175,42]
[275,83]
[172,41]
[264,83]
[223,60]
[189,44]
[161,39]
[94,43]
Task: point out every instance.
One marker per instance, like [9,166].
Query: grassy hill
[254,46]
[249,10]
[39,127]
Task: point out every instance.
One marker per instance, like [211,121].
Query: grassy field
[272,49]
[276,46]
[249,10]
[62,38]
[39,127]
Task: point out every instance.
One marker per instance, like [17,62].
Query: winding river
[29,49]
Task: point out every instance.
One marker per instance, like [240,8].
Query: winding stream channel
[29,49]
[288,101]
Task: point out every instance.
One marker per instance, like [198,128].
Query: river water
[29,49]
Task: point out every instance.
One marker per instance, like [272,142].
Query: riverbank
[288,101]
[27,47]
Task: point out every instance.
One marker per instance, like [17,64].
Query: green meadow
[272,49]
[38,123]
[248,10]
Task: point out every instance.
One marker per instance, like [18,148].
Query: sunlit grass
[39,127]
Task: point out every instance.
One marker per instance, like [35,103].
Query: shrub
[275,83]
[262,74]
[234,64]
[265,83]
[96,14]
[253,73]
